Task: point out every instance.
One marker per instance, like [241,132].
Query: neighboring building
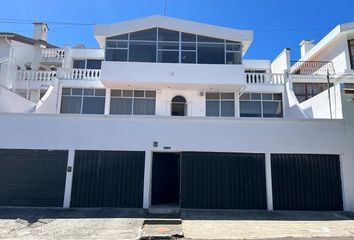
[168,113]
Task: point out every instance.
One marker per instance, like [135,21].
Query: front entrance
[179,106]
[166,179]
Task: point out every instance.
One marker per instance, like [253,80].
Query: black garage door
[32,178]
[108,179]
[306,182]
[223,181]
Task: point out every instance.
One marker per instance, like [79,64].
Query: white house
[168,113]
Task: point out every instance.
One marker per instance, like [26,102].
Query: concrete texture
[266,225]
[161,229]
[37,224]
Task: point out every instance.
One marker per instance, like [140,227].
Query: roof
[329,39]
[24,39]
[103,31]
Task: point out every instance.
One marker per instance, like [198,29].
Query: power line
[23,21]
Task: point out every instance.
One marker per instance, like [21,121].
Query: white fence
[265,78]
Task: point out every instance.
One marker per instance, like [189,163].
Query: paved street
[107,224]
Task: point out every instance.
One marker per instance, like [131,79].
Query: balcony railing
[62,74]
[38,76]
[265,78]
[312,68]
[52,55]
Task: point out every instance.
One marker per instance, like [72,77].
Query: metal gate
[306,182]
[108,179]
[32,178]
[223,180]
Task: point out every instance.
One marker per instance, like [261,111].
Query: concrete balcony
[172,75]
[53,56]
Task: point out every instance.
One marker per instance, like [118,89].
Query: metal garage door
[306,182]
[32,178]
[108,179]
[223,181]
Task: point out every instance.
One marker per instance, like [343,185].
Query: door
[165,179]
[223,180]
[306,182]
[108,179]
[178,106]
[32,178]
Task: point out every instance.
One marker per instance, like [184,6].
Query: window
[167,46]
[220,104]
[83,101]
[351,52]
[129,102]
[305,91]
[265,105]
[87,64]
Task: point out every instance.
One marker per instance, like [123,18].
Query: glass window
[351,52]
[211,53]
[137,102]
[188,57]
[83,101]
[119,37]
[142,51]
[206,39]
[93,64]
[168,35]
[250,109]
[272,109]
[261,105]
[116,55]
[220,104]
[149,35]
[79,64]
[168,56]
[187,37]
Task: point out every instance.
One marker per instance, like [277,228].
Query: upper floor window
[83,101]
[305,91]
[87,63]
[261,105]
[167,46]
[351,52]
[220,104]
[133,102]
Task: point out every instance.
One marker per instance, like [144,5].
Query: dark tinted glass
[188,57]
[116,93]
[212,108]
[229,96]
[186,37]
[209,39]
[93,105]
[138,93]
[121,106]
[142,52]
[150,94]
[168,56]
[89,92]
[277,96]
[93,64]
[212,95]
[267,96]
[100,92]
[227,108]
[116,55]
[189,46]
[168,46]
[70,104]
[250,109]
[233,58]
[127,93]
[245,96]
[79,64]
[119,37]
[256,96]
[272,109]
[168,35]
[66,91]
[149,34]
[144,106]
[77,91]
[211,54]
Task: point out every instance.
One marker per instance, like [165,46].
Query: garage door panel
[32,178]
[223,181]
[306,182]
[108,179]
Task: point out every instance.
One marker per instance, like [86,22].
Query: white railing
[37,76]
[265,78]
[53,54]
[79,74]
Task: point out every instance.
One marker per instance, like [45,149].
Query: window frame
[261,100]
[220,101]
[351,53]
[86,60]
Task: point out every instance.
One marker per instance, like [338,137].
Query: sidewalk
[266,225]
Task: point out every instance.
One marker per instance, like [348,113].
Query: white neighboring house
[167,113]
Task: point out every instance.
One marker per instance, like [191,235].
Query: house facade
[168,113]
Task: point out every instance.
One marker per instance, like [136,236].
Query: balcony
[265,78]
[313,71]
[52,56]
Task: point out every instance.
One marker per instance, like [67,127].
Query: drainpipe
[8,65]
[329,94]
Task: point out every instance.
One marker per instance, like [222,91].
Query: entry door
[165,179]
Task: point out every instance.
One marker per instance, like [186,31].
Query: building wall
[23,53]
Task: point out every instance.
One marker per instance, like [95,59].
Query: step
[161,229]
[164,212]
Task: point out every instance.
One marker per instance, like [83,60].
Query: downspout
[8,66]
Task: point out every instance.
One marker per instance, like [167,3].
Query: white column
[107,105]
[147,179]
[268,168]
[69,178]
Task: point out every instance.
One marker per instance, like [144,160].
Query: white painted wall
[23,53]
[282,62]
[12,103]
[4,48]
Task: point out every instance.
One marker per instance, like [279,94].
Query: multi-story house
[168,113]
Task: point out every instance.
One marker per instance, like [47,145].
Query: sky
[277,24]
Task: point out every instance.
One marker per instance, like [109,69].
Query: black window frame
[351,53]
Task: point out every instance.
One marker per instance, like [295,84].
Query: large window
[305,91]
[220,104]
[133,102]
[261,105]
[351,52]
[87,63]
[83,101]
[167,46]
